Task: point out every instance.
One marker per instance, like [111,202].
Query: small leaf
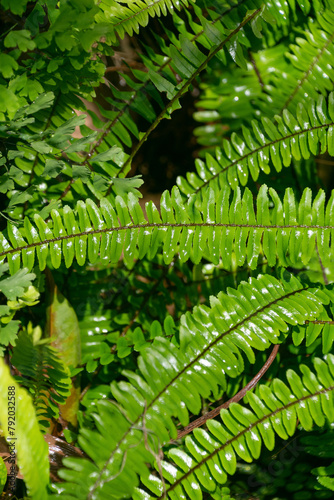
[43,101]
[15,286]
[41,147]
[53,168]
[111,154]
[19,198]
[20,39]
[81,172]
[8,65]
[124,186]
[8,333]
[6,183]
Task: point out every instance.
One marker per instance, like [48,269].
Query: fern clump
[133,333]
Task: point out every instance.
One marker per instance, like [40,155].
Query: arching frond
[276,78]
[209,456]
[209,226]
[171,381]
[269,143]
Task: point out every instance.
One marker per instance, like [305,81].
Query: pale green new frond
[171,381]
[209,456]
[32,450]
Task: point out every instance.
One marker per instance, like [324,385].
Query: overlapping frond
[209,456]
[87,165]
[216,227]
[275,79]
[267,143]
[170,73]
[171,381]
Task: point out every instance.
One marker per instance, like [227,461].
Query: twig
[213,413]
[256,69]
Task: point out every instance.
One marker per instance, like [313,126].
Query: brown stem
[256,69]
[213,413]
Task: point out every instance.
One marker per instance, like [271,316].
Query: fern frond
[171,381]
[280,10]
[186,57]
[214,227]
[31,162]
[210,455]
[269,143]
[19,292]
[310,57]
[275,79]
[32,450]
[43,374]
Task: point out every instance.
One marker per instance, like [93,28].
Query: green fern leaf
[210,455]
[127,16]
[209,226]
[310,132]
[44,374]
[172,381]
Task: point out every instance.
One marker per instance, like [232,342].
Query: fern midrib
[159,225]
[260,148]
[307,73]
[217,340]
[241,433]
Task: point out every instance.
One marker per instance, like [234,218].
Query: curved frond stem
[251,316]
[319,322]
[213,413]
[184,88]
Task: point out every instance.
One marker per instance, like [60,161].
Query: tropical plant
[134,338]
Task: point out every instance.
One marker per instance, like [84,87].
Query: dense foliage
[131,336]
